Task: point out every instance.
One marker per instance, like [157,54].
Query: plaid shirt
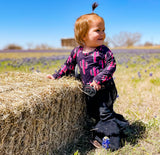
[98,65]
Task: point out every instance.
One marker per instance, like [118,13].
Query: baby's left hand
[49,76]
[95,85]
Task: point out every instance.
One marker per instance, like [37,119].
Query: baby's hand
[95,85]
[49,76]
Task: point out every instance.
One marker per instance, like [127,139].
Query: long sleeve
[68,66]
[107,72]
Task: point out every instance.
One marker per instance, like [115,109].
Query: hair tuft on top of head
[94,5]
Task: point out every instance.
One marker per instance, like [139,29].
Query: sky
[34,22]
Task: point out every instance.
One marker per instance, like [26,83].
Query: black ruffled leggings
[108,123]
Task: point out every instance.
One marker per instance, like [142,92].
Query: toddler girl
[97,65]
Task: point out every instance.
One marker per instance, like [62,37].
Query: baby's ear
[85,37]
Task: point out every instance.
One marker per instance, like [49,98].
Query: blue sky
[35,22]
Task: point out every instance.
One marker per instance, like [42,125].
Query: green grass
[138,101]
[155,81]
[36,67]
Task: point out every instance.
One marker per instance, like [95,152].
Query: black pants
[108,123]
[100,107]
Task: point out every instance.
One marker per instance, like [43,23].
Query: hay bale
[38,115]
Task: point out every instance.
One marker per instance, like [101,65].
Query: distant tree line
[123,39]
[12,47]
[126,39]
[30,47]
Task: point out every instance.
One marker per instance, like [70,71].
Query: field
[138,82]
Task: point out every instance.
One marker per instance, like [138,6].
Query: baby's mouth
[100,39]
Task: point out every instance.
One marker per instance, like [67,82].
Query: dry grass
[18,55]
[138,101]
[139,47]
[138,97]
[37,115]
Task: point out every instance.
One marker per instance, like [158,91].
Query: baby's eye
[98,30]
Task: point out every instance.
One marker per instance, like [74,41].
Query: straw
[39,115]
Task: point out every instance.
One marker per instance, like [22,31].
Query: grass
[30,54]
[138,82]
[139,47]
[155,81]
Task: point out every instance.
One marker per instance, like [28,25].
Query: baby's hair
[94,5]
[82,25]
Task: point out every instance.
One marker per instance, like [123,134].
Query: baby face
[96,35]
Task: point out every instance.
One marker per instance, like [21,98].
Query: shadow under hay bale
[38,115]
[82,144]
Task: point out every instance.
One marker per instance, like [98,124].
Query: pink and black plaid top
[98,65]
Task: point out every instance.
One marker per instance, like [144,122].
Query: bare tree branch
[125,39]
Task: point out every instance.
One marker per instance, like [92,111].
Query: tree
[43,47]
[107,41]
[147,43]
[125,39]
[30,46]
[13,47]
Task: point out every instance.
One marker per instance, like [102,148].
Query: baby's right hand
[49,76]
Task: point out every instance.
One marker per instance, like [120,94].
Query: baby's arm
[107,72]
[67,68]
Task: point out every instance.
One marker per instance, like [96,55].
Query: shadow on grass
[131,134]
[82,144]
[134,132]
